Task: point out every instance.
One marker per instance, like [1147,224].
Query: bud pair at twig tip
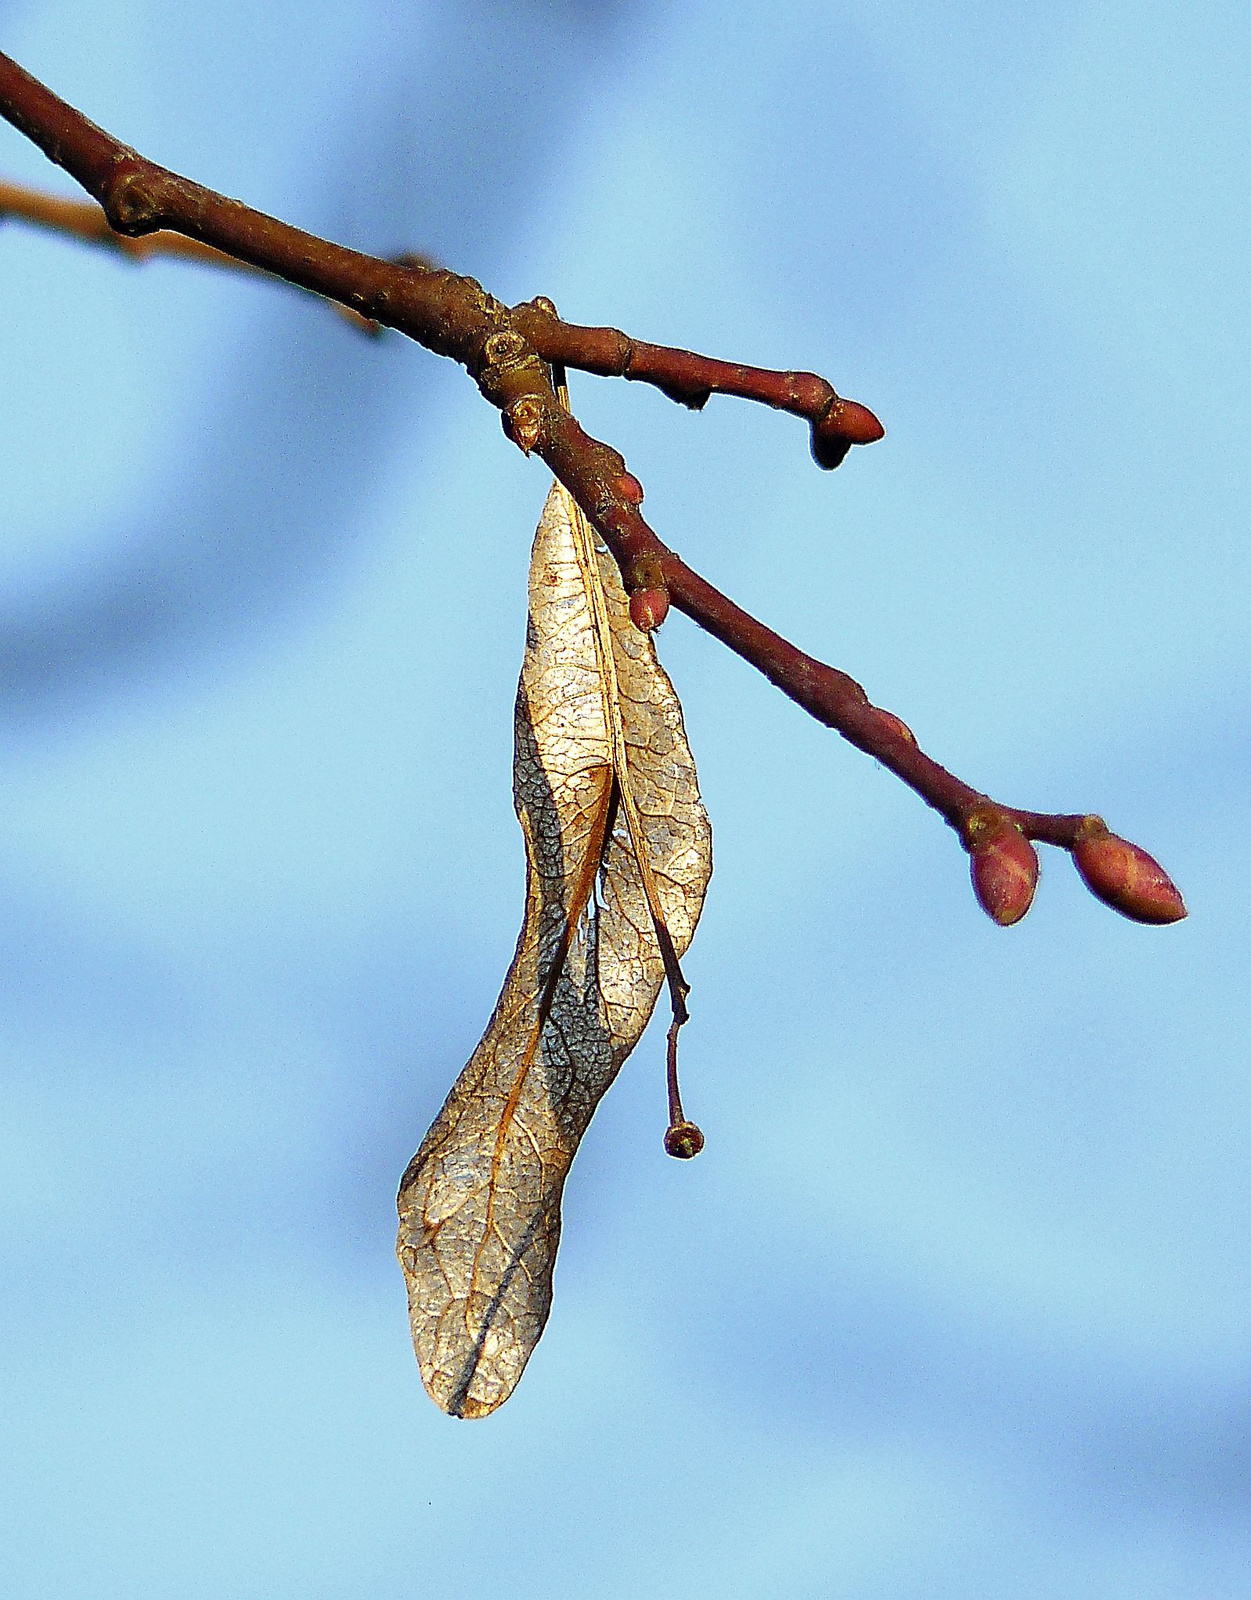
[1003,865]
[1124,876]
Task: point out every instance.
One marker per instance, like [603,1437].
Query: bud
[1125,877]
[523,422]
[857,423]
[828,449]
[1004,867]
[649,608]
[846,423]
[894,724]
[683,1140]
[629,488]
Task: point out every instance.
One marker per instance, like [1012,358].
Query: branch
[510,352]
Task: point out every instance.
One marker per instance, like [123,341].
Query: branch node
[645,571]
[129,201]
[504,348]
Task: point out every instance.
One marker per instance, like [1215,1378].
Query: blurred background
[957,1300]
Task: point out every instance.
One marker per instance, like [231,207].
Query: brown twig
[507,352]
[689,378]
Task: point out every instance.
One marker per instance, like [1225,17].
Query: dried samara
[618,856]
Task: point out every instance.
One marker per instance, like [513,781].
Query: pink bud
[846,423]
[648,608]
[1125,877]
[894,724]
[629,488]
[1004,867]
[858,423]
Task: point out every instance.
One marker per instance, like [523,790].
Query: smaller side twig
[690,378]
[81,220]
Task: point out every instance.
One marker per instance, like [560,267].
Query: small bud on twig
[857,422]
[894,724]
[523,422]
[1124,876]
[1003,864]
[649,608]
[629,488]
[847,422]
[648,591]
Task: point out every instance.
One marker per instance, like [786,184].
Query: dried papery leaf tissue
[480,1202]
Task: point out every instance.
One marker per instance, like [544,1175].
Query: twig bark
[508,351]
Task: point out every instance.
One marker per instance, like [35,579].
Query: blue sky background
[957,1300]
